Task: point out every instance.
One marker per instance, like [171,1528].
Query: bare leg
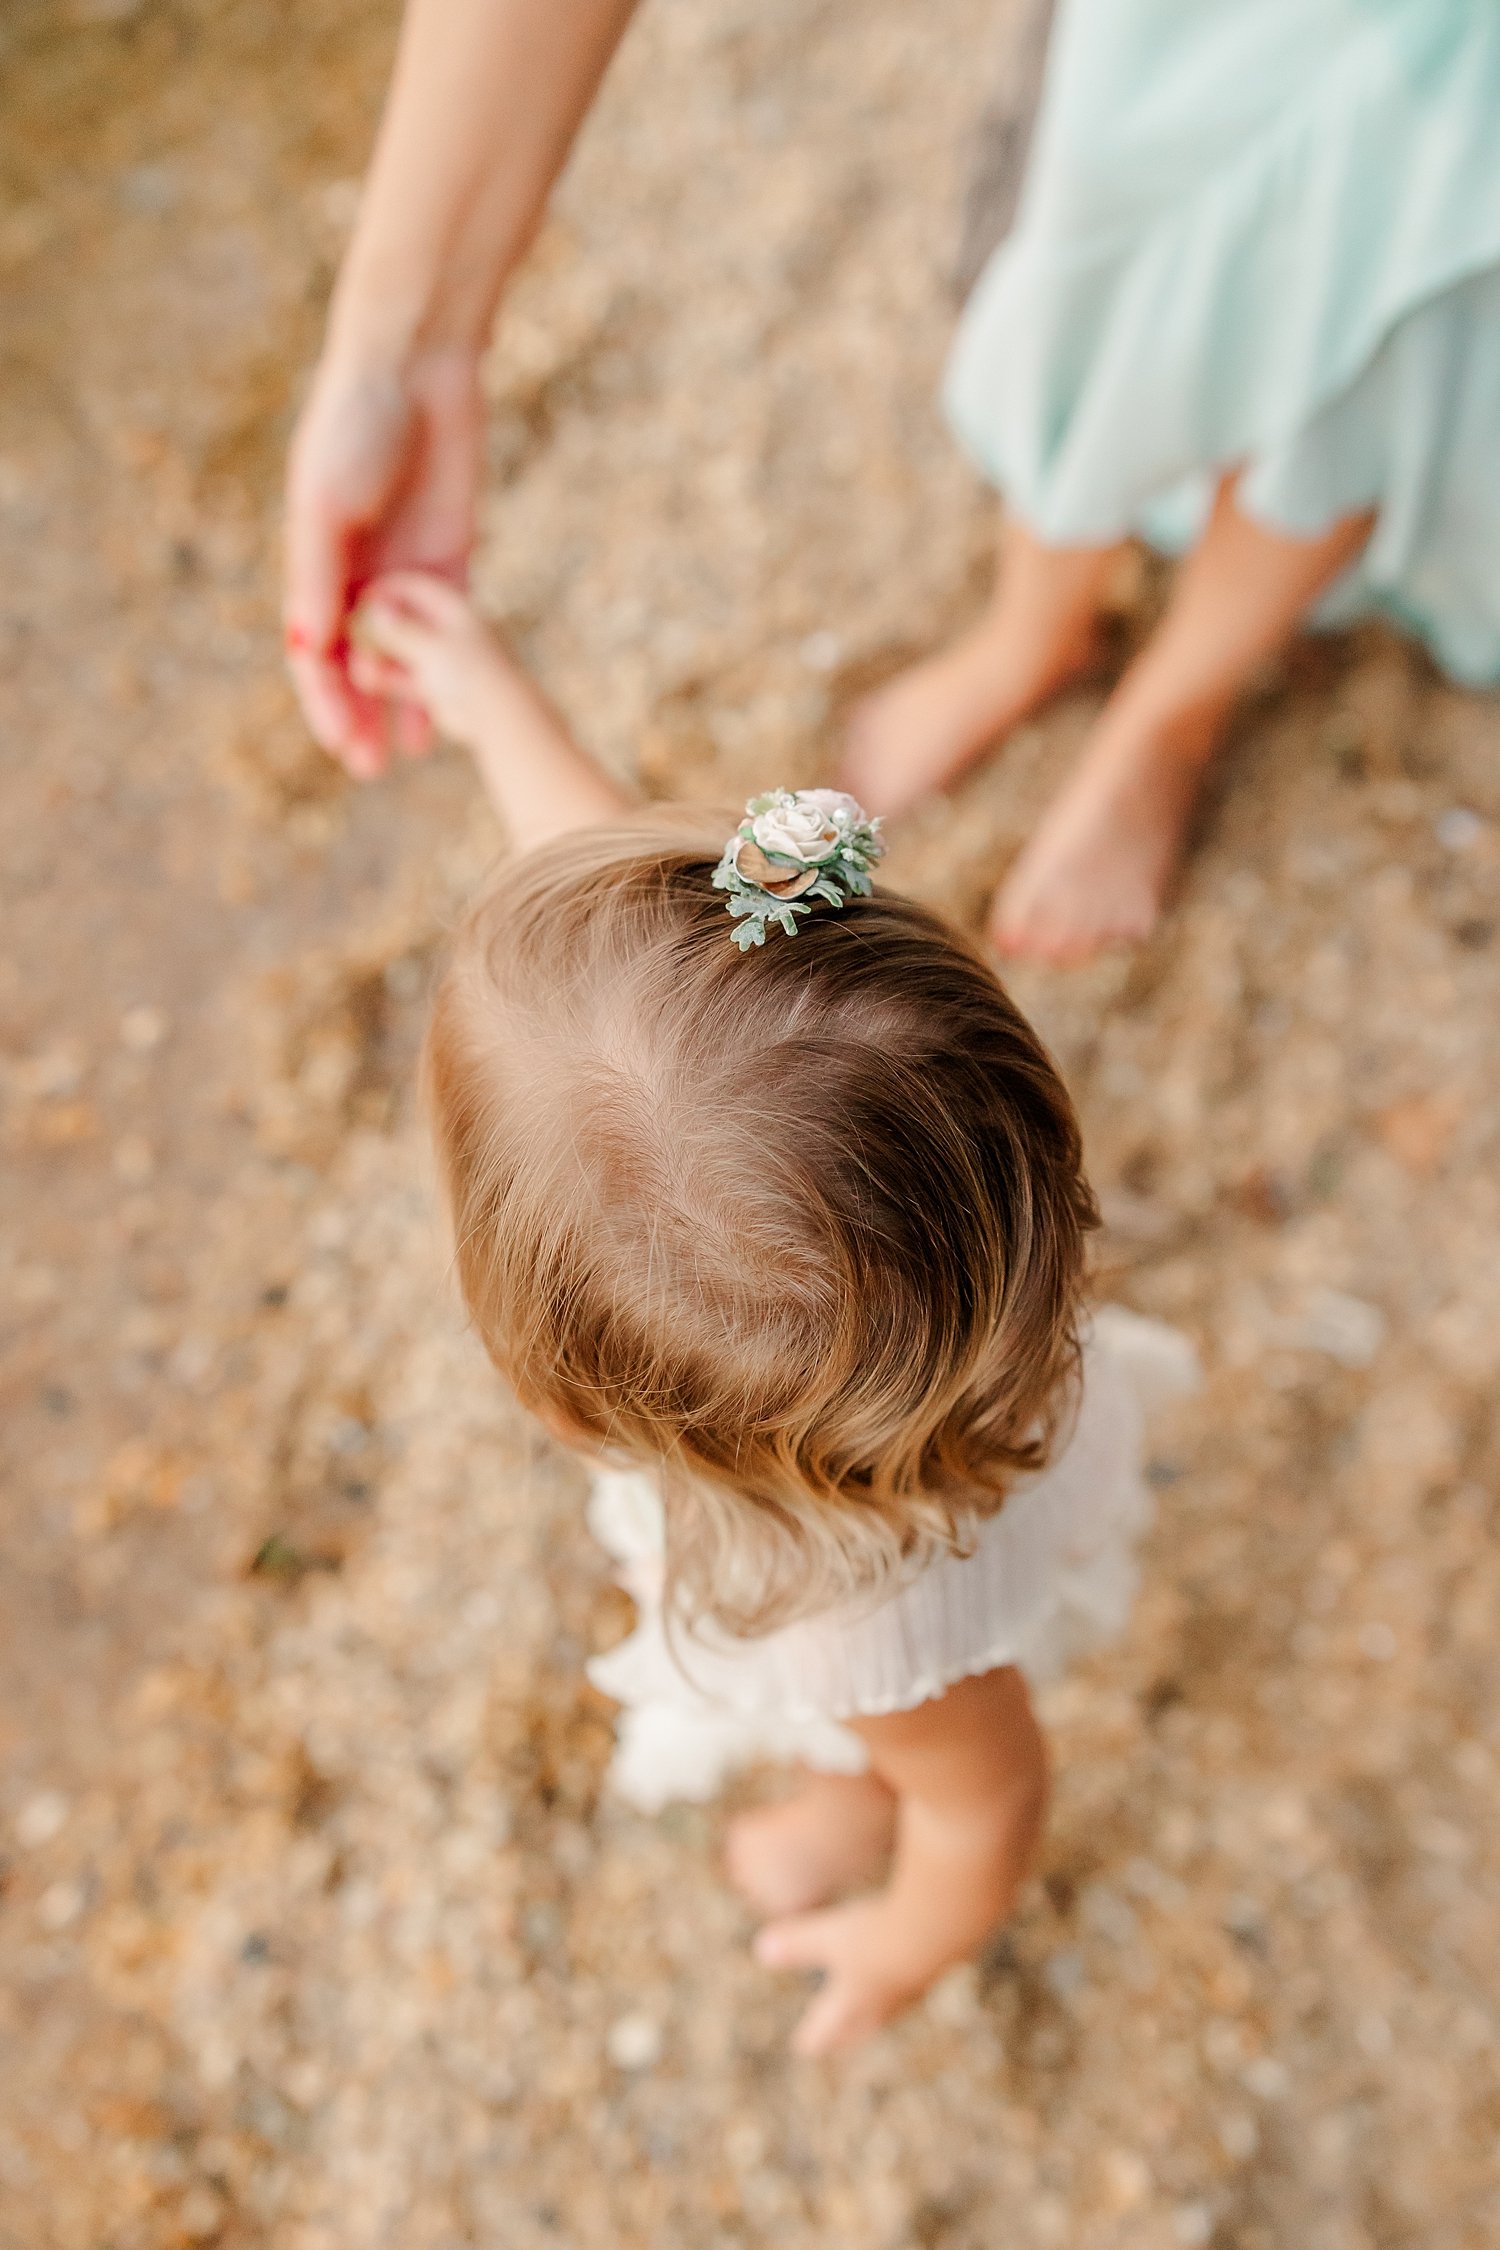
[968,1770]
[1039,631]
[1097,870]
[833,1834]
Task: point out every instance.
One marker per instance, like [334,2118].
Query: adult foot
[833,1834]
[917,734]
[1096,873]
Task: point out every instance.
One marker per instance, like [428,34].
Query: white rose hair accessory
[794,847]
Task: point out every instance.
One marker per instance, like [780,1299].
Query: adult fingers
[367,746]
[316,608]
[323,692]
[413,729]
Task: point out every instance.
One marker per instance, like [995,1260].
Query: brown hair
[804,1226]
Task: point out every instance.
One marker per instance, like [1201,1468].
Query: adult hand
[384,476]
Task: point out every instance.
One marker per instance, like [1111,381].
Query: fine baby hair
[765,1194]
[801,1225]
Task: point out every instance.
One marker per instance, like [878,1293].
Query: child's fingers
[809,1941]
[840,2016]
[853,2002]
[386,684]
[435,600]
[382,627]
[374,673]
[797,1941]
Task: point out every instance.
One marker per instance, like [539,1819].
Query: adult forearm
[485,99]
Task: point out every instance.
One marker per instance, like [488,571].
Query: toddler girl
[767,1199]
[1251,308]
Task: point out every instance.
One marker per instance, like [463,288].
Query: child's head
[804,1225]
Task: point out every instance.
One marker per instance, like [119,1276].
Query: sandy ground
[317,1934]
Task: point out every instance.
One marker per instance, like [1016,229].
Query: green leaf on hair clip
[792,847]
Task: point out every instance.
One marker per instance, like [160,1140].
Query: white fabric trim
[1050,1577]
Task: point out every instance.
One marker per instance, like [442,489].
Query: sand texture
[316,1931]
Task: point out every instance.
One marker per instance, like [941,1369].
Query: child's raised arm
[419,640]
[969,1773]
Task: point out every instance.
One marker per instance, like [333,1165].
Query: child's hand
[871,1969]
[417,639]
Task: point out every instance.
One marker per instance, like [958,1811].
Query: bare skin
[833,1834]
[1039,632]
[956,1787]
[1097,871]
[967,1778]
[484,101]
[417,642]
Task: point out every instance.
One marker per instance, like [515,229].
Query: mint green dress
[1261,234]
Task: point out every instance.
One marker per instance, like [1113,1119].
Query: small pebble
[1266,2078]
[633,2042]
[954,1999]
[53,1073]
[1193,2223]
[1239,2137]
[304,2082]
[149,190]
[41,1818]
[1344,1328]
[1458,829]
[142,1030]
[201,2214]
[821,652]
[105,11]
[60,1904]
[1374,2034]
[1064,1975]
[338,203]
[1128,2176]
[134,1160]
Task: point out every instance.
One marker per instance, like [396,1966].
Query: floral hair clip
[795,846]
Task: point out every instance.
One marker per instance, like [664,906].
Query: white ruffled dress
[1050,1577]
[1261,234]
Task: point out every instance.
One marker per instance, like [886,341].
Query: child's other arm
[969,1770]
[418,640]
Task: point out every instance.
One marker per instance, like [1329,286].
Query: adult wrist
[383,334]
[382,314]
[382,357]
